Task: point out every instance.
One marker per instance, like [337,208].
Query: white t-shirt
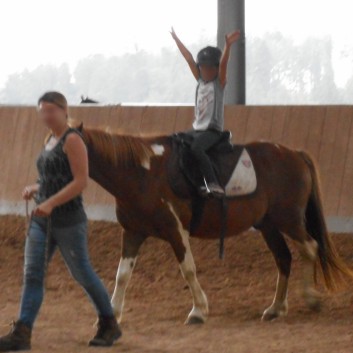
[209,106]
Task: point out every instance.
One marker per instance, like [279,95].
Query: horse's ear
[80,127]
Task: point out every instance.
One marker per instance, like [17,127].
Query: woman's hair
[54,97]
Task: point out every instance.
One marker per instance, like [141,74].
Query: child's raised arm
[187,55]
[230,39]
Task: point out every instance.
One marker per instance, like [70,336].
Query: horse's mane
[119,150]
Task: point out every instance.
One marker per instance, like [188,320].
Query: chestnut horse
[286,202]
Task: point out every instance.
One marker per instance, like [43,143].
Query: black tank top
[54,174]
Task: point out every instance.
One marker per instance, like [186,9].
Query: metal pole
[231,16]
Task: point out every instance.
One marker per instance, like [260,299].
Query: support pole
[231,16]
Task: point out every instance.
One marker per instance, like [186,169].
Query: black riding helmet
[209,56]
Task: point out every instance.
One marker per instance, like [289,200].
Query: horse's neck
[116,181]
[119,180]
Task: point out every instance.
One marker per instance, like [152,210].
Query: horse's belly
[241,216]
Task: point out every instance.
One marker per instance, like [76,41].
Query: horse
[287,203]
[87,100]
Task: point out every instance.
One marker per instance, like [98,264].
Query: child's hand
[232,37]
[172,32]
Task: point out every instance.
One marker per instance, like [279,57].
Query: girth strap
[224,219]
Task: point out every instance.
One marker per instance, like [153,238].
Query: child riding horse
[210,71]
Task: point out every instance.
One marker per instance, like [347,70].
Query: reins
[47,245]
[48,235]
[28,218]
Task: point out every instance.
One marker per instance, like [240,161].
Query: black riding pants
[203,141]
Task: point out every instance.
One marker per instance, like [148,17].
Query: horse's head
[80,127]
[87,100]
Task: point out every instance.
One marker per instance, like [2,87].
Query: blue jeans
[72,243]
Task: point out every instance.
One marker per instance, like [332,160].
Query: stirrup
[204,190]
[212,189]
[216,190]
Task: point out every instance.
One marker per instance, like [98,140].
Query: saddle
[185,176]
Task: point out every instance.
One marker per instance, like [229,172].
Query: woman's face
[52,115]
[208,73]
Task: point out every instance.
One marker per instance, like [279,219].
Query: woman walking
[59,221]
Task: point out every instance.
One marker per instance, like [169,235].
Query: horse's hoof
[118,317]
[314,305]
[194,320]
[273,313]
[313,300]
[268,316]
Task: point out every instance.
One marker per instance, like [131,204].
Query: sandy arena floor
[158,300]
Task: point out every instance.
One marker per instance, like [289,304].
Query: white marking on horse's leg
[158,150]
[199,311]
[123,275]
[279,305]
[308,251]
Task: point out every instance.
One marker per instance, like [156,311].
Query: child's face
[208,72]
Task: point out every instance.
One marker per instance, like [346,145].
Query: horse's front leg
[131,243]
[180,243]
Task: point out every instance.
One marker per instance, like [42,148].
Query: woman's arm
[230,39]
[187,55]
[77,154]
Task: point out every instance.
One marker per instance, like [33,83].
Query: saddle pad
[243,180]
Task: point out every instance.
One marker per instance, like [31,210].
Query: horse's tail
[334,270]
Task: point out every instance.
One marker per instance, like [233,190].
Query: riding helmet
[209,56]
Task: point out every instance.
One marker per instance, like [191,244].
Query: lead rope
[48,236]
[28,218]
[47,246]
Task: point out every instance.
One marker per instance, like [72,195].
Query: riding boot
[108,332]
[19,338]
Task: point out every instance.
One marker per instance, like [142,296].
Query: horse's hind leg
[131,244]
[181,246]
[277,244]
[308,249]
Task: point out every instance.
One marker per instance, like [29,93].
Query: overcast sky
[35,32]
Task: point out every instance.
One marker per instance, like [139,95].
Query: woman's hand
[44,209]
[29,191]
[232,37]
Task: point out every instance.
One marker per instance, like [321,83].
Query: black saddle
[223,155]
